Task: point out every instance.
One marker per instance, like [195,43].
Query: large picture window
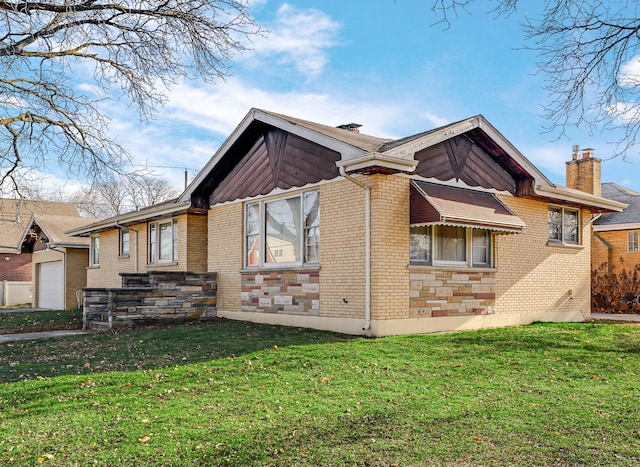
[163,241]
[285,231]
[563,225]
[446,245]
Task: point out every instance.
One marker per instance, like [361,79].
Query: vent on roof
[352,127]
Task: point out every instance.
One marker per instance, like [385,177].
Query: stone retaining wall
[441,292]
[151,297]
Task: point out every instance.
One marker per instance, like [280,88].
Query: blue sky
[383,64]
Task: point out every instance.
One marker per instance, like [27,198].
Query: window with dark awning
[435,204]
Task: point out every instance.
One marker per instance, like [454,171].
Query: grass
[33,321]
[231,393]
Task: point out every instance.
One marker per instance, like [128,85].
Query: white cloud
[434,119]
[299,38]
[630,72]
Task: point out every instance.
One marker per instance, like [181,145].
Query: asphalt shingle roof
[630,215]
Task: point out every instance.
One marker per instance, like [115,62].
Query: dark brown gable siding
[461,159]
[275,159]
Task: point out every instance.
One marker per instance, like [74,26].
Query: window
[563,225]
[284,231]
[632,242]
[124,242]
[163,242]
[446,245]
[94,253]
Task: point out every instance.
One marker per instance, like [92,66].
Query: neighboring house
[310,225]
[616,235]
[16,266]
[59,261]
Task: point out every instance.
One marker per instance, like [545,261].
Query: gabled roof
[16,215]
[54,228]
[629,218]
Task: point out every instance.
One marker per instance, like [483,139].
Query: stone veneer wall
[289,292]
[149,297]
[442,292]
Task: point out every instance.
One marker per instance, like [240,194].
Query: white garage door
[50,289]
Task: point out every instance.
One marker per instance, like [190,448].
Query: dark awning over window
[435,204]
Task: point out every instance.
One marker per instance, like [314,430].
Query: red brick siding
[16,268]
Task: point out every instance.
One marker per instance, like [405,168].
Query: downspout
[135,252]
[367,246]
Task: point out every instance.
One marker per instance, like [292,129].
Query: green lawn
[46,320]
[231,393]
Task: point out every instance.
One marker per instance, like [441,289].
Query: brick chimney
[583,173]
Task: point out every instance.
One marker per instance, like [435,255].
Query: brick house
[616,234]
[27,257]
[324,227]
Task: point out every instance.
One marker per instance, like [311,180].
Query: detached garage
[59,262]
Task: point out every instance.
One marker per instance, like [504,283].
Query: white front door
[51,286]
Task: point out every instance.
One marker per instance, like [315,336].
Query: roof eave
[585,199]
[612,227]
[128,218]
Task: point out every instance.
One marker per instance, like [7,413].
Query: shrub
[613,292]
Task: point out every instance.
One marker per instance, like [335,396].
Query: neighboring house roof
[629,218]
[16,215]
[54,227]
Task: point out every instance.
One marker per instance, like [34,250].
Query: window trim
[153,241]
[261,233]
[633,242]
[563,241]
[468,261]
[94,253]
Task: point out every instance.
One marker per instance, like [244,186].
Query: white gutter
[576,196]
[367,246]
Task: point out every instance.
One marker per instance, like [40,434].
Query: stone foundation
[157,296]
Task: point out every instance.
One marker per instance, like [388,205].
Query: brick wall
[619,256]
[390,247]
[192,251]
[535,276]
[16,267]
[76,271]
[342,250]
[225,250]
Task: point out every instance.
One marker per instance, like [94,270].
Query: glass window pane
[554,216]
[632,242]
[95,244]
[283,230]
[420,249]
[252,226]
[312,226]
[124,243]
[152,243]
[174,242]
[165,248]
[451,243]
[481,247]
[570,227]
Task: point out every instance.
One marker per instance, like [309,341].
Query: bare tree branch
[140,47]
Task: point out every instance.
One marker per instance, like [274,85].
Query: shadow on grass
[148,348]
